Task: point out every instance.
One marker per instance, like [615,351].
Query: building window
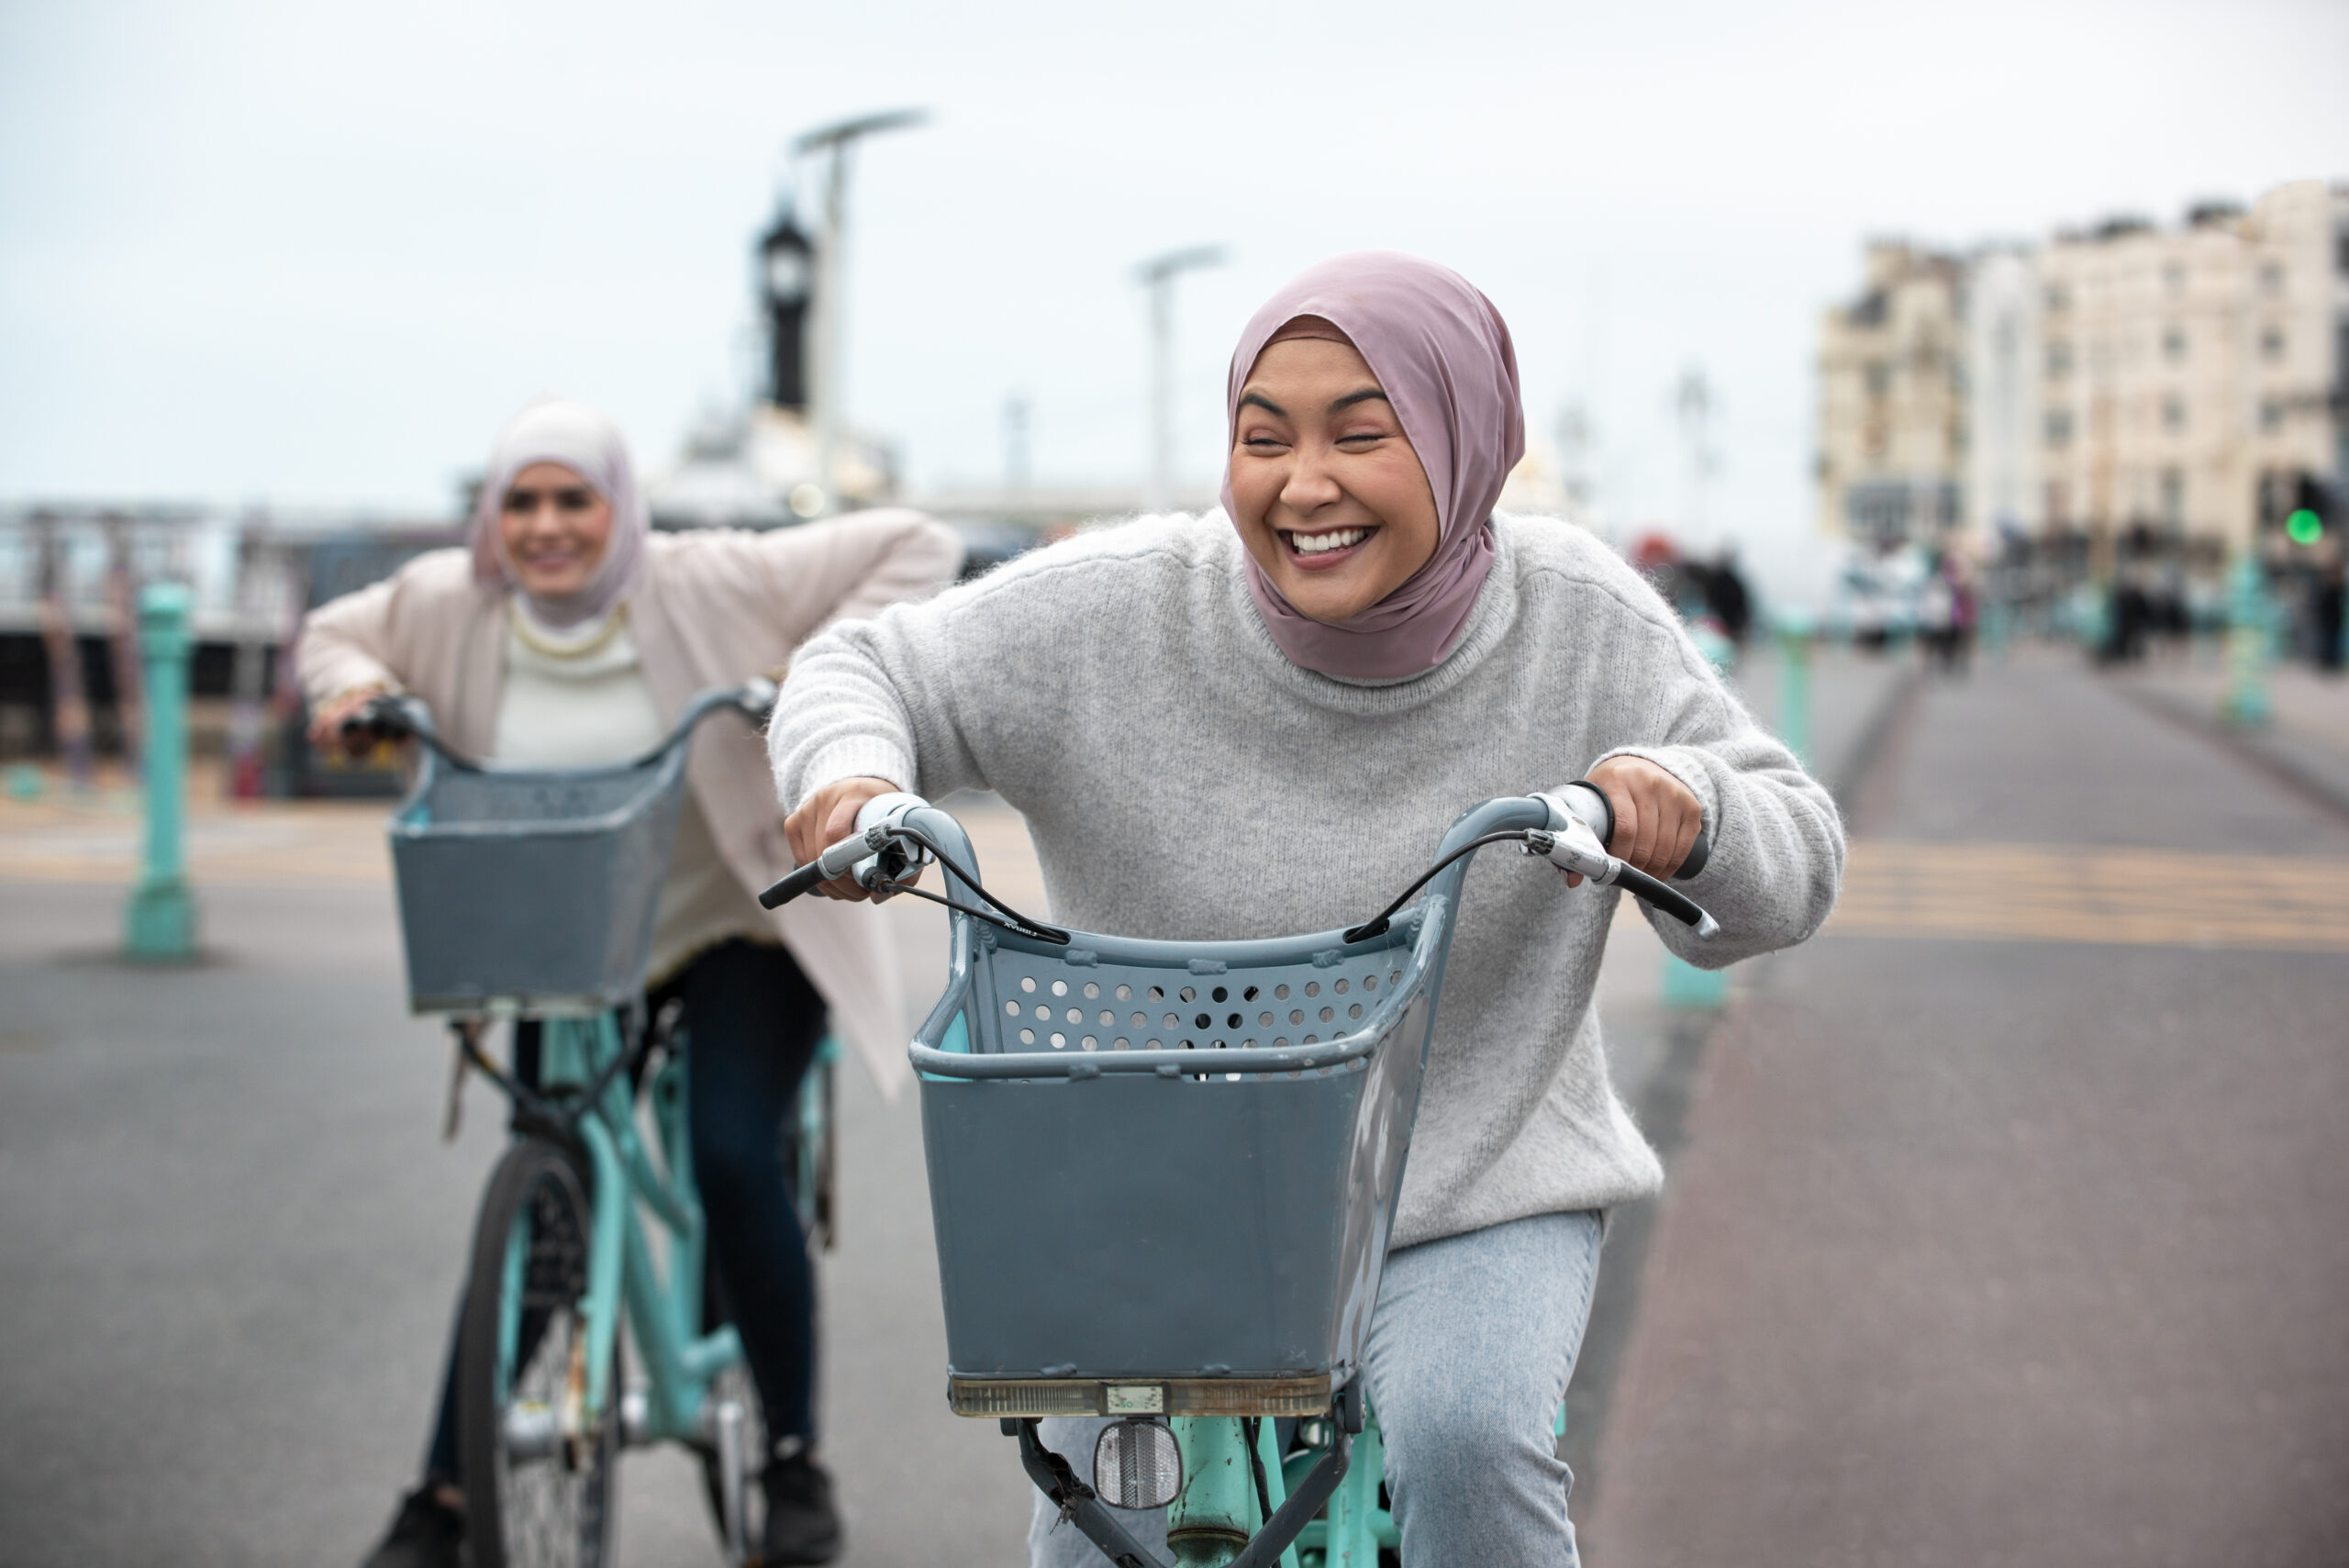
[2172,498]
[1879,377]
[2059,299]
[2271,415]
[2271,279]
[2059,359]
[2271,343]
[2174,277]
[2059,426]
[2173,412]
[2174,344]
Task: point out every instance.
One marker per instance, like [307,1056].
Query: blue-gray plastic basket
[1162,1174]
[532,891]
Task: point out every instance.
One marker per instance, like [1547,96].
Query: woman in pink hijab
[1259,721]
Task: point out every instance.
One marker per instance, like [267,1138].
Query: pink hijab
[556,429]
[1442,353]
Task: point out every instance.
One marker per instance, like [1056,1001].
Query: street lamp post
[1158,275]
[839,140]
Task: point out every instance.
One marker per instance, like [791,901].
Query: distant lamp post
[1158,275]
[839,140]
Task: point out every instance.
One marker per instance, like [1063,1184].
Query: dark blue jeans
[754,1023]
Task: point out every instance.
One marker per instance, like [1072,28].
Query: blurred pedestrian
[1936,614]
[2325,611]
[568,635]
[1726,596]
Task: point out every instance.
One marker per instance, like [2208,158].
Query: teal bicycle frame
[631,1178]
[665,1315]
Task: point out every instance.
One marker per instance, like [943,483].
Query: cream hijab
[556,429]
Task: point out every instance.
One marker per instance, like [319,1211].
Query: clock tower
[786,276]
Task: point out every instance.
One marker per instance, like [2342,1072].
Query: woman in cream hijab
[568,634]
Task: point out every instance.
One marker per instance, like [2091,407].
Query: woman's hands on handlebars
[1657,817]
[826,818]
[326,722]
[1657,820]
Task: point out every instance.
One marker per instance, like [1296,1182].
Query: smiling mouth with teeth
[1323,543]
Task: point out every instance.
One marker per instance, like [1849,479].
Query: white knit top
[577,698]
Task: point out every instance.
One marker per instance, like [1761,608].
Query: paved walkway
[2306,741]
[232,1231]
[2017,1241]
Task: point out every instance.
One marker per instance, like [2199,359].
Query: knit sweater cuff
[856,757]
[1681,763]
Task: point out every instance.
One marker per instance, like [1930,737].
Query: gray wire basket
[1162,1174]
[532,891]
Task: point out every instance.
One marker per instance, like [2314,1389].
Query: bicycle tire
[815,1163]
[534,1497]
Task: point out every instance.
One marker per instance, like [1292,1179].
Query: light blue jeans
[1470,1350]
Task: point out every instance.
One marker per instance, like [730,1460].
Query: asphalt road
[230,1243]
[230,1239]
[2008,1226]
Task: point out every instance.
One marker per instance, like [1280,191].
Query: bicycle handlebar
[878,855]
[406,718]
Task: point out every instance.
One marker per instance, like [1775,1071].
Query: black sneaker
[425,1533]
[802,1525]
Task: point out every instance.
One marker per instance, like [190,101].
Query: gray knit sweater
[1183,780]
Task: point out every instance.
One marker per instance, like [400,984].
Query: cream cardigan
[713,608]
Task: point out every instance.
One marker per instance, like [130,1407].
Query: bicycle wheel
[538,1488]
[734,1384]
[811,1155]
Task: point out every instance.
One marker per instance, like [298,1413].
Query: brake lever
[1573,845]
[892,858]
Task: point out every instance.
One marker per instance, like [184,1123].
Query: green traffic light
[2303,527]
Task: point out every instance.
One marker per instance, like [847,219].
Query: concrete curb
[1662,1111]
[1843,781]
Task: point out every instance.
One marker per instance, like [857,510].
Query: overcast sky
[315,253]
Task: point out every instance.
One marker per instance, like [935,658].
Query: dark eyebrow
[1364,395]
[1260,401]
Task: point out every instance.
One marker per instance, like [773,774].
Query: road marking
[297,846]
[2079,894]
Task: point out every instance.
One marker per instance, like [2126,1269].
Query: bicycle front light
[1136,1463]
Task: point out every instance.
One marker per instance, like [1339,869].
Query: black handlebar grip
[1678,905]
[1698,853]
[384,718]
[792,886]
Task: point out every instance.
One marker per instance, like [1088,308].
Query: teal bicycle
[529,894]
[1162,1174]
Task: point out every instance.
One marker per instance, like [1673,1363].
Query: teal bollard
[1795,631]
[160,926]
[2250,644]
[1998,629]
[1685,984]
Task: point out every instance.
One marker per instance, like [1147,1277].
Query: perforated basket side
[1045,1003]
